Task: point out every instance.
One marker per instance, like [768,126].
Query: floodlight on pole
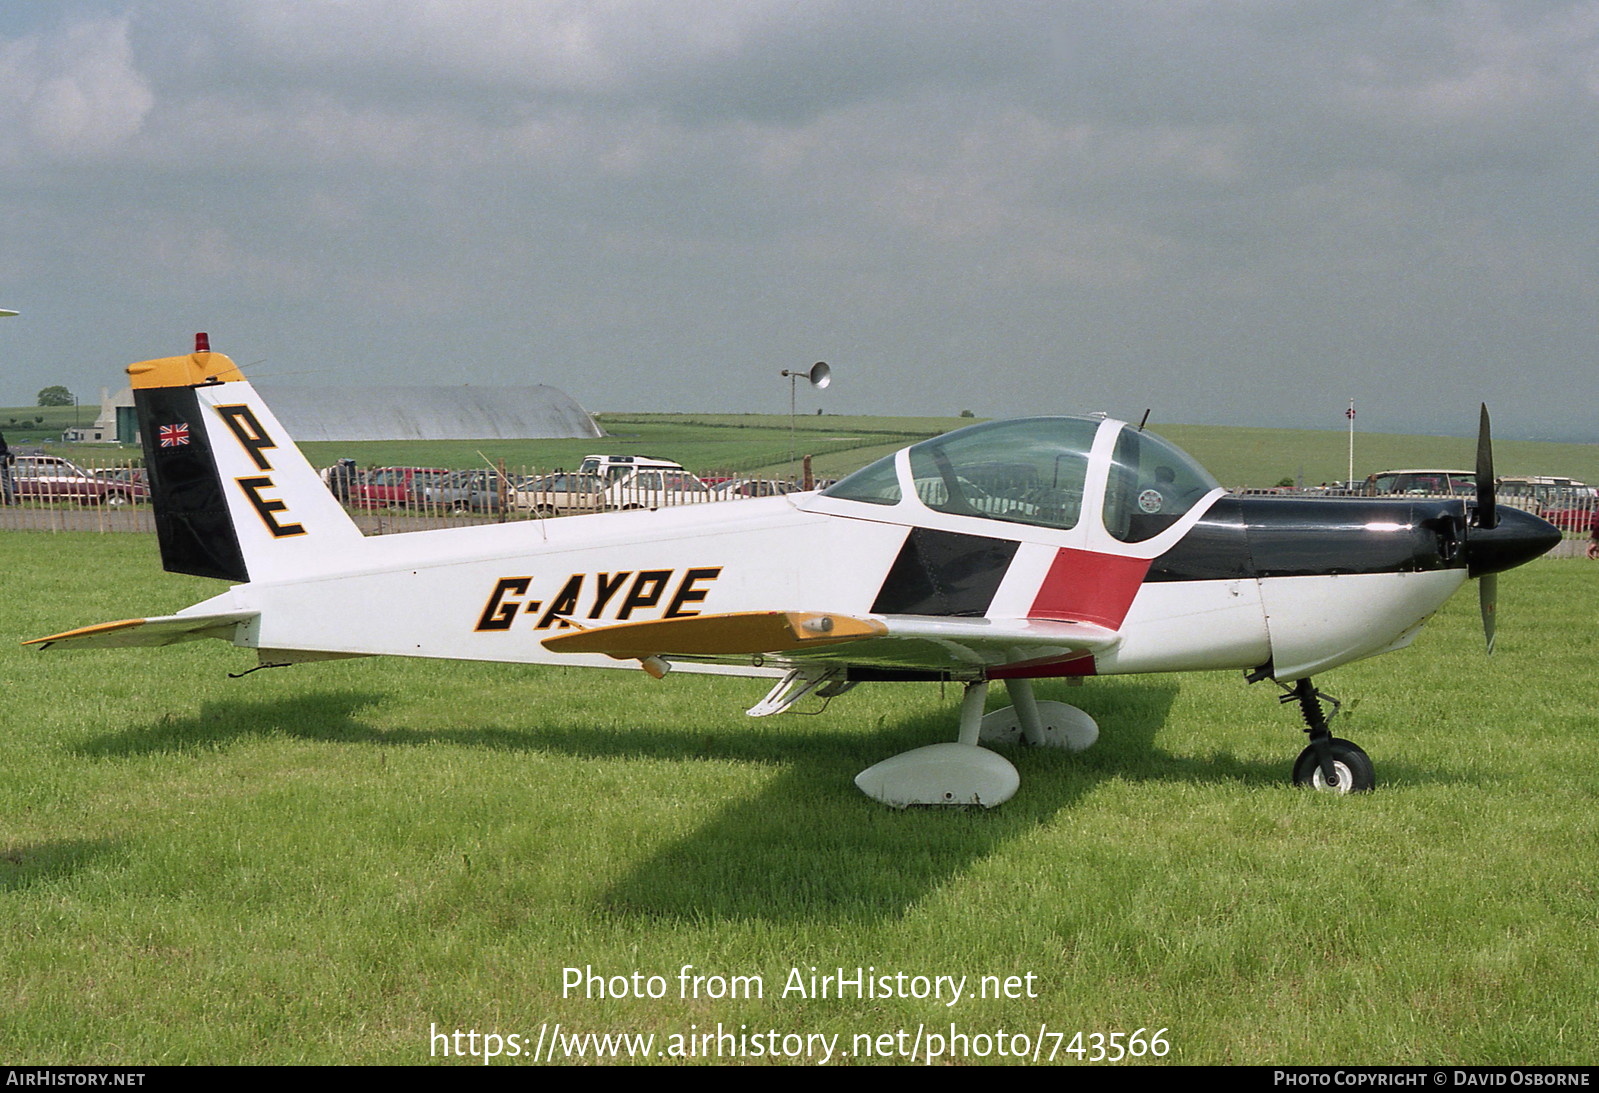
[1350,414]
[819,375]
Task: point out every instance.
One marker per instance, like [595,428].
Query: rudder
[234,498]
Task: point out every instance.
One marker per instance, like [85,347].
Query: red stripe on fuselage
[1084,586]
[1081,586]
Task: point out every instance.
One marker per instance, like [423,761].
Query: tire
[1353,766]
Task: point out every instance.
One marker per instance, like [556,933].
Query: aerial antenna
[1143,420]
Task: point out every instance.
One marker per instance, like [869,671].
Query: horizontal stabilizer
[735,634]
[163,630]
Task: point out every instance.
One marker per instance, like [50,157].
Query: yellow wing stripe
[86,631]
[739,632]
[161,630]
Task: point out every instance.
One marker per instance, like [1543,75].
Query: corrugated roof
[429,413]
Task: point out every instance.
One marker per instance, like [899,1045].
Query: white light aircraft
[1010,550]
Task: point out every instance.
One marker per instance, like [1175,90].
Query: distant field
[337,863]
[20,427]
[759,444]
[1239,456]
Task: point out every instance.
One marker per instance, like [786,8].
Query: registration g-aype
[1011,551]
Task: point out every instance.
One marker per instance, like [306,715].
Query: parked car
[753,487]
[643,482]
[342,479]
[1564,502]
[561,494]
[1432,483]
[614,468]
[654,487]
[123,474]
[465,491]
[394,487]
[51,478]
[1574,513]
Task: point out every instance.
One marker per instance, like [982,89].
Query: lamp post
[1350,414]
[819,376]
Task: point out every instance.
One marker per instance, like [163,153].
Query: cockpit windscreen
[1029,471]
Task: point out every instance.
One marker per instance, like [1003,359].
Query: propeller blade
[1488,598]
[1487,516]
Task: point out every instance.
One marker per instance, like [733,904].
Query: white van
[612,468]
[643,482]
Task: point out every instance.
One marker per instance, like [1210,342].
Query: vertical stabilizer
[233,496]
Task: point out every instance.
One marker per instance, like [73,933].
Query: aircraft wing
[162,630]
[889,641]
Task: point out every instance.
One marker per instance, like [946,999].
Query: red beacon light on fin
[202,342]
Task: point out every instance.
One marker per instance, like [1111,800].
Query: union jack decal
[174,436]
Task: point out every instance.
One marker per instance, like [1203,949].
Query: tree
[55,396]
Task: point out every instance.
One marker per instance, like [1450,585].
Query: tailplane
[234,498]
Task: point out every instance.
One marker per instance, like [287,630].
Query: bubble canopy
[1038,471]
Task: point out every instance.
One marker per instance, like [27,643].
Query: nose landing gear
[1328,763]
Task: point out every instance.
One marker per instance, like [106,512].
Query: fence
[48,493]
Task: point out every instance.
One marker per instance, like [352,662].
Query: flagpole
[1351,414]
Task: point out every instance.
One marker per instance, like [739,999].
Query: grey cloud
[1168,195]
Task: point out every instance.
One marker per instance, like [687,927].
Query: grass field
[760,444]
[330,863]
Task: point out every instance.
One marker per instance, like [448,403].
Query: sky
[1240,212]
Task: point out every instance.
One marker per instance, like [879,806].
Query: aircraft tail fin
[234,498]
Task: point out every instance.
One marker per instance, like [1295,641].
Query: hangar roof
[429,413]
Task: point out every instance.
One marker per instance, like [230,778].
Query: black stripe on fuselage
[1243,537]
[192,522]
[944,573]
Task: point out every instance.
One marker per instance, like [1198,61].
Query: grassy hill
[28,425]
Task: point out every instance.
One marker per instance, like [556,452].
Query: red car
[1564,502]
[51,478]
[394,487]
[1574,513]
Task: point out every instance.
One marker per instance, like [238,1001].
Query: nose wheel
[1351,768]
[1328,763]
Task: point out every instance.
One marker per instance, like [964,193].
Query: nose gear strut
[1328,763]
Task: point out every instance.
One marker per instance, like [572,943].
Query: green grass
[322,864]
